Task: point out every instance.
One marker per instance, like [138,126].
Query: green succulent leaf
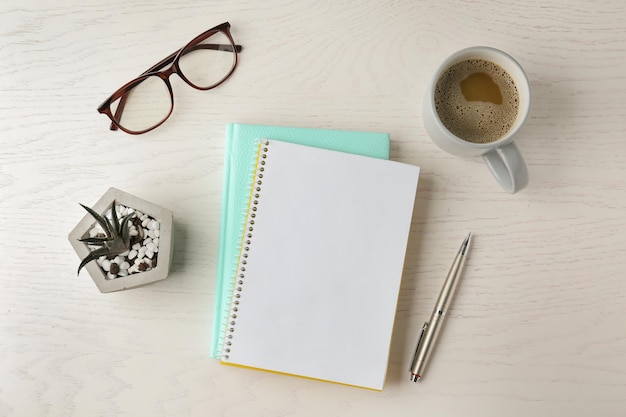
[104,222]
[96,241]
[115,222]
[125,229]
[93,255]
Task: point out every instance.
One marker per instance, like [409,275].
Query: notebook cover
[239,156]
[320,266]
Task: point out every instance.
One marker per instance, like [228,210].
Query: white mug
[502,156]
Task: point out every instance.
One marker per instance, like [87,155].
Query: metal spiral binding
[245,247]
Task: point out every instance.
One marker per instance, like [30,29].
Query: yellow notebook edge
[235,365]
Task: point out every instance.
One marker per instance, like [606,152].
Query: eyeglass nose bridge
[167,73]
[174,68]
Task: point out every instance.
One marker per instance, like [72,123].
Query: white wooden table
[538,324]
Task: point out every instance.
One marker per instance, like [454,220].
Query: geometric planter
[137,277]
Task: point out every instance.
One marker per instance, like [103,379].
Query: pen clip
[419,342]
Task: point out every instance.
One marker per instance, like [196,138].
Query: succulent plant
[116,239]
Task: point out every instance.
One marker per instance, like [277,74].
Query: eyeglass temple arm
[166,61]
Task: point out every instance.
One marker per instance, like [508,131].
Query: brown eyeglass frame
[174,68]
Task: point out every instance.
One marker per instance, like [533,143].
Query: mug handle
[508,166]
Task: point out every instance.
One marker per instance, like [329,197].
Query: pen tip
[466,243]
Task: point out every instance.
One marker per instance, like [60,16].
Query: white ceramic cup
[502,156]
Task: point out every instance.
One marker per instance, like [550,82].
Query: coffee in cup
[477,100]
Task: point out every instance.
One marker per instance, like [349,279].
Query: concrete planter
[101,278]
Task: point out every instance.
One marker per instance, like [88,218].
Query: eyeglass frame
[159,71]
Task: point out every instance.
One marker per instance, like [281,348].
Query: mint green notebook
[239,158]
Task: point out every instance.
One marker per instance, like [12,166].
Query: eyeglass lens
[147,104]
[203,65]
[208,63]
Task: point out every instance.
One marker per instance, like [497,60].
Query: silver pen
[432,328]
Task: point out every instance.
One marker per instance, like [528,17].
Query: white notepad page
[323,264]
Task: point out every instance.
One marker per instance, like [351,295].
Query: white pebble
[136,246]
[134,232]
[142,252]
[111,276]
[124,265]
[157,233]
[145,222]
[154,225]
[153,233]
[132,254]
[119,259]
[151,247]
[149,254]
[106,265]
[122,273]
[146,241]
[133,269]
[156,241]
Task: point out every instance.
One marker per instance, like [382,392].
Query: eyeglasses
[147,101]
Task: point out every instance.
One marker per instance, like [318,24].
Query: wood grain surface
[537,327]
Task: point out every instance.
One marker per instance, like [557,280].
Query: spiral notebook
[238,157]
[320,264]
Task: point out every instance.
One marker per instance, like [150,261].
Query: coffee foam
[476,121]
